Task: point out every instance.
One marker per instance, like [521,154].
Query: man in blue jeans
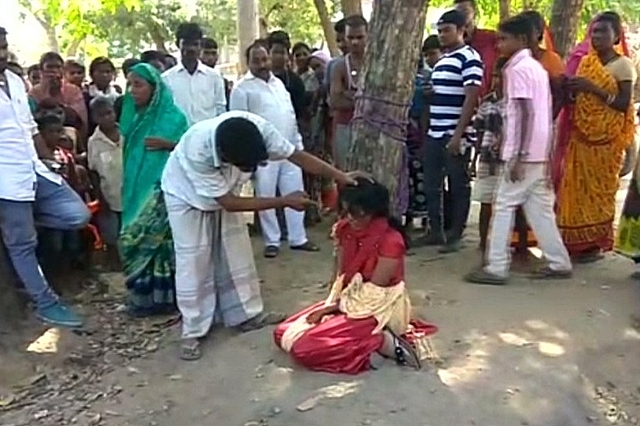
[31,193]
[456,80]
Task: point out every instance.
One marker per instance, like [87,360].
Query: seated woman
[368,309]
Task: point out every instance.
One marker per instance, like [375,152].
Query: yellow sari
[598,137]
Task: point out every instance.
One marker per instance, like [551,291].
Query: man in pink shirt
[527,140]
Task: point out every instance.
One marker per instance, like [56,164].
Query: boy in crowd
[489,125]
[525,151]
[105,162]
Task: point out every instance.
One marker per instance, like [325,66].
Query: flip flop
[190,350]
[271,251]
[308,246]
[404,352]
[262,320]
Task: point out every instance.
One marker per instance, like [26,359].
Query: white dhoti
[215,272]
[287,177]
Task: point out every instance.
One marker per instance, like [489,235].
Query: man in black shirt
[279,45]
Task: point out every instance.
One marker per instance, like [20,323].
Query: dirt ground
[530,353]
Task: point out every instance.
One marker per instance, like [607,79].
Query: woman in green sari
[151,125]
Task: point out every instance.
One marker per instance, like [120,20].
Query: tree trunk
[351,7]
[379,126]
[248,28]
[52,38]
[565,17]
[72,50]
[327,26]
[12,307]
[158,39]
[505,11]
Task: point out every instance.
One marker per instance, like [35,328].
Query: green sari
[146,246]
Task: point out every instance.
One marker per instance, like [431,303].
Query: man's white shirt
[19,161]
[271,101]
[200,95]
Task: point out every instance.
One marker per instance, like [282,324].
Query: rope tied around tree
[390,118]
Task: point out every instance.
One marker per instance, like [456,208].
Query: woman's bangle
[610,99]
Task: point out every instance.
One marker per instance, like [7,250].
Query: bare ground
[531,353]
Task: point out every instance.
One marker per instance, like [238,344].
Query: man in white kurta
[215,271]
[263,94]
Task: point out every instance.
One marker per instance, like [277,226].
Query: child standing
[105,163]
[489,124]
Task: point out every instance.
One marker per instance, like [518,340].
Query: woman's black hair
[369,198]
[518,26]
[537,21]
[240,142]
[100,60]
[50,57]
[300,45]
[614,20]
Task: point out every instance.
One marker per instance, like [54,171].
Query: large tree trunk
[351,7]
[379,127]
[327,26]
[248,28]
[565,17]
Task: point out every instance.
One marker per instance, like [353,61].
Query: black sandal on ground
[260,321]
[404,353]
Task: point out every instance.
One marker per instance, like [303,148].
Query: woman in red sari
[368,310]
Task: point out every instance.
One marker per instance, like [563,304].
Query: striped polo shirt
[451,74]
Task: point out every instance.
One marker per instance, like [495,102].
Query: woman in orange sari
[596,133]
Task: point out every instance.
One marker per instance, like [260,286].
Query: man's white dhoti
[215,270]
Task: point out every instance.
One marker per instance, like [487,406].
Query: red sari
[340,344]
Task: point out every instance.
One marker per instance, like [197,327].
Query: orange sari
[597,139]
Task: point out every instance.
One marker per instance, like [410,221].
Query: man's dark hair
[50,57]
[70,64]
[3,32]
[149,56]
[518,26]
[431,43]
[32,68]
[99,103]
[256,43]
[471,2]
[101,60]
[129,63]
[279,37]
[453,17]
[537,22]
[356,21]
[209,43]
[340,27]
[241,143]
[188,31]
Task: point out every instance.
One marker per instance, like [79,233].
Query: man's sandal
[190,350]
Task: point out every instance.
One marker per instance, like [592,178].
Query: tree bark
[505,9]
[327,26]
[248,28]
[351,7]
[565,17]
[379,126]
[72,50]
